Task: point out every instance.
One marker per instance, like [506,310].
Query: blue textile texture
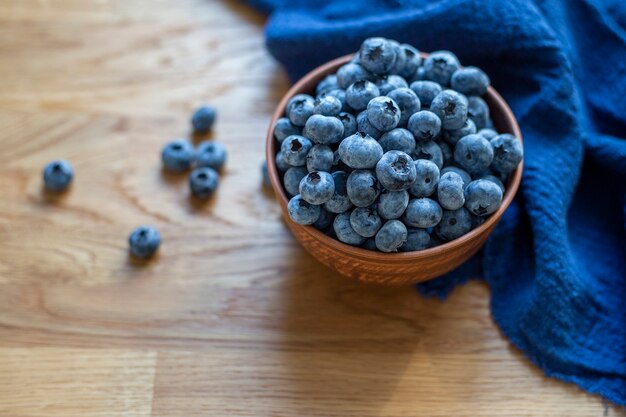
[556,263]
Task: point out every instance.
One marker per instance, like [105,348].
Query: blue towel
[556,263]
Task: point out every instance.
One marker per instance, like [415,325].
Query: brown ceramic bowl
[389,268]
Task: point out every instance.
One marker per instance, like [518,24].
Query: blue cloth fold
[556,263]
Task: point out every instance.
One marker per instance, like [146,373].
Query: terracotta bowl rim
[270,150]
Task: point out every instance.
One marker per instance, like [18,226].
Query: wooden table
[232,318]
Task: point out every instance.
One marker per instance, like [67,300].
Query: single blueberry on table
[424,125]
[417,239]
[391,236]
[377,55]
[317,187]
[426,91]
[57,175]
[450,191]
[362,188]
[488,133]
[324,129]
[325,220]
[360,151]
[364,126]
[454,224]
[302,212]
[429,150]
[281,164]
[319,158]
[407,102]
[292,178]
[177,155]
[295,148]
[467,178]
[203,182]
[413,60]
[300,108]
[383,113]
[507,153]
[473,153]
[482,197]
[327,105]
[453,136]
[427,178]
[203,119]
[396,171]
[350,73]
[344,231]
[265,175]
[144,241]
[365,221]
[284,128]
[339,202]
[360,93]
[423,213]
[470,81]
[391,204]
[397,140]
[210,154]
[388,83]
[330,82]
[478,112]
[349,123]
[451,107]
[439,67]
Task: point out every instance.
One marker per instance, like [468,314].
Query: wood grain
[232,318]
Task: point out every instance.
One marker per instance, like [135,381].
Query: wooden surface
[232,318]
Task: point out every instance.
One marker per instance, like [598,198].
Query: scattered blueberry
[482,197]
[427,178]
[423,213]
[392,204]
[265,175]
[203,119]
[203,182]
[177,155]
[302,212]
[362,188]
[57,175]
[450,191]
[210,154]
[396,171]
[144,241]
[451,107]
[470,81]
[391,236]
[507,153]
[473,153]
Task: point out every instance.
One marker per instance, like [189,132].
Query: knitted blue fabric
[556,263]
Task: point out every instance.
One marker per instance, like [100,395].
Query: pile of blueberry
[395,152]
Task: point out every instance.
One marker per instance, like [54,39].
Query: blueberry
[446,152]
[462,173]
[439,67]
[281,164]
[424,125]
[400,62]
[407,102]
[430,151]
[417,239]
[482,197]
[470,81]
[478,112]
[426,180]
[203,119]
[144,241]
[324,129]
[453,136]
[302,212]
[391,204]
[362,188]
[203,182]
[426,91]
[388,83]
[57,175]
[339,165]
[300,108]
[413,60]
[422,212]
[265,175]
[210,154]
[284,128]
[451,107]
[339,202]
[391,236]
[395,171]
[398,140]
[473,153]
[364,126]
[420,75]
[365,221]
[329,82]
[370,244]
[349,123]
[477,221]
[360,151]
[377,55]
[345,232]
[177,155]
[317,187]
[340,95]
[325,220]
[507,153]
[493,179]
[383,113]
[360,93]
[450,191]
[350,73]
[488,133]
[292,178]
[327,105]
[319,158]
[295,149]
[454,224]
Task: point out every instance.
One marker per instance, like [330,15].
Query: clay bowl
[389,268]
